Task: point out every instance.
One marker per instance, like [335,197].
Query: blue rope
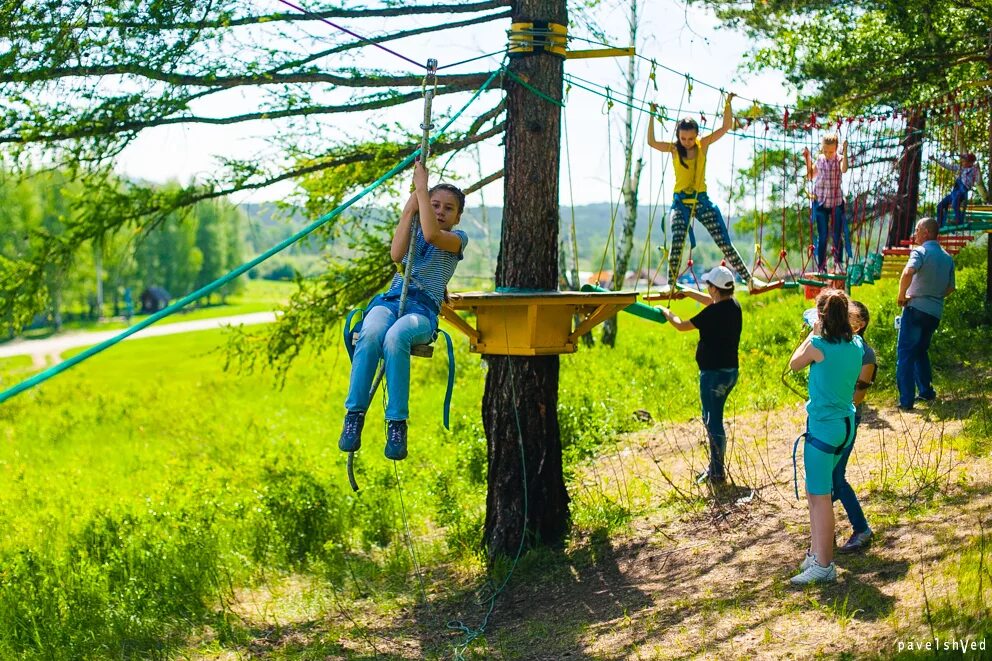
[43,376]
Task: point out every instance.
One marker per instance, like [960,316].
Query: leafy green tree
[82,80]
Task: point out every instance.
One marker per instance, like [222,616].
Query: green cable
[43,376]
[534,90]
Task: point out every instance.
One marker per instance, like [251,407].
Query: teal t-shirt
[832,380]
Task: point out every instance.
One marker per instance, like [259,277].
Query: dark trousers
[843,492]
[956,199]
[822,217]
[913,372]
[714,388]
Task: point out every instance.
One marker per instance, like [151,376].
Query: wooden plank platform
[531,323]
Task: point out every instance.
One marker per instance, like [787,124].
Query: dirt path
[711,580]
[49,350]
[695,574]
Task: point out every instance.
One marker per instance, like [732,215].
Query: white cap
[720,277]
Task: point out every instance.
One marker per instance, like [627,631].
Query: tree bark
[908,194]
[527,502]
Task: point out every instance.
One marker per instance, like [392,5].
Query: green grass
[139,489]
[258,296]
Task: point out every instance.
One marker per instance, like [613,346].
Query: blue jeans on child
[821,217]
[956,199]
[842,489]
[386,336]
[913,370]
[714,388]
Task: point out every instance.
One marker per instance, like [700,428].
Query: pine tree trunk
[520,405]
[908,193]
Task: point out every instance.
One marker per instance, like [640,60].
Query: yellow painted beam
[600,52]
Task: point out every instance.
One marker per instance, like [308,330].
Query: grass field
[147,494]
[258,296]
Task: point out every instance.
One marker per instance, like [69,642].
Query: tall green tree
[81,80]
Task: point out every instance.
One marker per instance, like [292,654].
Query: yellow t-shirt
[693,176]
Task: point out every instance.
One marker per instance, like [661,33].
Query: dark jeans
[714,388]
[913,370]
[957,200]
[843,492]
[823,217]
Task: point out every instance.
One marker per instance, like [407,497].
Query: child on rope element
[387,336]
[689,160]
[968,175]
[834,355]
[828,199]
[719,325]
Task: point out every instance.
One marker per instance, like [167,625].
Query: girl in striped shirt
[828,199]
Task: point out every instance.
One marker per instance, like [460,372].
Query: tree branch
[115,126]
[39,75]
[484,182]
[288,17]
[350,159]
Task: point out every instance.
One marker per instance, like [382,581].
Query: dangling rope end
[351,472]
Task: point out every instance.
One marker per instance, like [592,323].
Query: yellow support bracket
[600,52]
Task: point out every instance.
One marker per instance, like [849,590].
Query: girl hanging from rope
[386,335]
[828,199]
[957,199]
[689,160]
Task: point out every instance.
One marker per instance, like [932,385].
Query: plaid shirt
[968,176]
[826,184]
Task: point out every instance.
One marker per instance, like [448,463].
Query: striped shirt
[967,176]
[432,268]
[826,183]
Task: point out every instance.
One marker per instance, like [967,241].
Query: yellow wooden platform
[531,324]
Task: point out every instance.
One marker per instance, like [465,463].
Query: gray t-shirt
[432,268]
[934,274]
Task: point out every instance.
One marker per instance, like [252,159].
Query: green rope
[457,625]
[534,90]
[43,376]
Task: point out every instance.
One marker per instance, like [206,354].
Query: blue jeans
[821,217]
[714,388]
[844,493]
[956,199]
[913,370]
[709,215]
[384,336]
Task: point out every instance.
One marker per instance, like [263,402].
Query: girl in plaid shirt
[828,199]
[968,174]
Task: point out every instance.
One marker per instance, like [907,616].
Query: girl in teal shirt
[833,353]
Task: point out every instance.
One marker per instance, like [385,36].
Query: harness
[811,440]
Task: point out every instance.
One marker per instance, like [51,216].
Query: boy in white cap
[719,325]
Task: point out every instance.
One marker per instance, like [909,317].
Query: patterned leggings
[711,218]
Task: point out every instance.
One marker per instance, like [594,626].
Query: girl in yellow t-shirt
[689,160]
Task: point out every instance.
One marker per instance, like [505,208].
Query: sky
[687,39]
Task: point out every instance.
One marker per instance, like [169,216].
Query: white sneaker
[815,573]
[807,561]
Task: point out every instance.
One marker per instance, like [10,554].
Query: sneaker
[859,542]
[396,439]
[807,561]
[705,477]
[930,399]
[351,435]
[815,573]
[905,409]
